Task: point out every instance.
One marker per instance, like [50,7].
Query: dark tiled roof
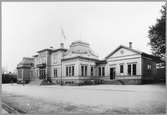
[35,55]
[101,62]
[155,58]
[44,50]
[52,50]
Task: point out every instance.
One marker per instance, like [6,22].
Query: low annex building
[80,65]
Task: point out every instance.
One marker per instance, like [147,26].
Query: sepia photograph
[83,57]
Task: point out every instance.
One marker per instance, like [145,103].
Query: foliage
[9,78]
[157,35]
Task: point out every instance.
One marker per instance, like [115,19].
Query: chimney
[51,47]
[61,45]
[130,44]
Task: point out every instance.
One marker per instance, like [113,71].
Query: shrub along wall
[9,78]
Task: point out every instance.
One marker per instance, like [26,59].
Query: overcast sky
[31,26]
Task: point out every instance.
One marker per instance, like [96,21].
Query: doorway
[42,74]
[112,73]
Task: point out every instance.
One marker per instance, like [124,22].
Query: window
[99,71]
[72,70]
[103,71]
[55,72]
[129,69]
[42,74]
[121,69]
[69,71]
[91,71]
[66,71]
[134,69]
[82,70]
[149,67]
[85,70]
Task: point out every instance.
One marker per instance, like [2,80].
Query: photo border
[67,1]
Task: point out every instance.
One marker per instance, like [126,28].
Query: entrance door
[112,73]
[42,74]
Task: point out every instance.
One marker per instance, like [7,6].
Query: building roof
[80,57]
[136,51]
[47,49]
[60,49]
[26,62]
[82,49]
[79,42]
[52,50]
[101,62]
[35,56]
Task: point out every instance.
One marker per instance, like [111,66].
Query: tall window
[69,71]
[72,70]
[42,74]
[84,70]
[99,71]
[66,71]
[129,69]
[149,67]
[91,71]
[55,72]
[121,69]
[134,69]
[103,71]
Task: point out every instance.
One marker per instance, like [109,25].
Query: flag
[62,33]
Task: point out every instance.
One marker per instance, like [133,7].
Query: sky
[31,26]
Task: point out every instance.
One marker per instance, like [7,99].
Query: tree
[157,35]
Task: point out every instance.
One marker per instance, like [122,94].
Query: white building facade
[80,65]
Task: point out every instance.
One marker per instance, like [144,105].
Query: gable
[80,49]
[122,51]
[73,53]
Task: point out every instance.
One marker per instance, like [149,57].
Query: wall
[89,63]
[124,58]
[148,75]
[26,74]
[19,74]
[77,78]
[56,63]
[74,62]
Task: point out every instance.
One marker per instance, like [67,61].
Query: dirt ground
[126,99]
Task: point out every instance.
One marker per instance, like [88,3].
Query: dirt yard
[124,99]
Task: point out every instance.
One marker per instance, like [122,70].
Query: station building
[81,65]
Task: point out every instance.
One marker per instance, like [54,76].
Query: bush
[9,78]
[47,82]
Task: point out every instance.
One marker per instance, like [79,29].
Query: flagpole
[63,35]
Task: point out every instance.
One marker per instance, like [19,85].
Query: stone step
[35,82]
[114,82]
